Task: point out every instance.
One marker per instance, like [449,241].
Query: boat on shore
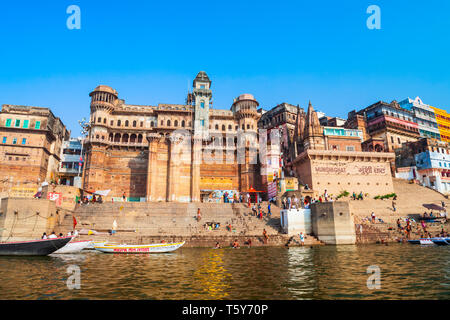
[441,241]
[426,242]
[73,247]
[144,248]
[93,244]
[41,247]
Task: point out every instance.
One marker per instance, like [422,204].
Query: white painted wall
[295,221]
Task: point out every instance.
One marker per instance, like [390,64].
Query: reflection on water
[327,272]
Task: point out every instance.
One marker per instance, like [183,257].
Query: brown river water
[269,273]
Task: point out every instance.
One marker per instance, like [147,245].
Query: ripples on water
[327,272]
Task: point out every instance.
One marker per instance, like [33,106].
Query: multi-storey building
[443,122]
[283,119]
[424,116]
[338,138]
[71,165]
[141,151]
[30,148]
[427,161]
[389,122]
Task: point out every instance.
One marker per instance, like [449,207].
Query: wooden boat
[144,248]
[73,247]
[41,247]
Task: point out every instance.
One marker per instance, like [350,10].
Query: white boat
[95,243]
[144,248]
[74,246]
[426,242]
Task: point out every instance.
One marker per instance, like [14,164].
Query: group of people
[54,236]
[360,196]
[93,199]
[258,212]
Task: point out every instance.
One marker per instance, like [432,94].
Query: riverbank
[210,241]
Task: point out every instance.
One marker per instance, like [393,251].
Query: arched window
[112,123]
[217,127]
[168,123]
[248,126]
[104,120]
[119,123]
[111,137]
[243,127]
[99,120]
[140,138]
[126,123]
[117,137]
[97,136]
[175,123]
[223,127]
[125,138]
[134,124]
[152,124]
[229,127]
[133,138]
[183,123]
[202,104]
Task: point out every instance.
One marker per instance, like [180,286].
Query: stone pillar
[153,139]
[196,162]
[173,160]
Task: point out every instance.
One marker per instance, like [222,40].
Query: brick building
[30,148]
[331,158]
[388,122]
[133,149]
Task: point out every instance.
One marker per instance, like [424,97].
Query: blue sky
[280,51]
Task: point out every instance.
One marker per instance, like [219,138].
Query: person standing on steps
[266,237]
[268,210]
[124,197]
[302,239]
[393,206]
[199,215]
[373,217]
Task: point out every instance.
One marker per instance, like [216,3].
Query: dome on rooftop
[103,88]
[246,96]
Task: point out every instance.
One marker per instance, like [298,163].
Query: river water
[325,272]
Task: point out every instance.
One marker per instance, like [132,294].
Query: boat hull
[33,248]
[149,248]
[441,241]
[73,247]
[426,242]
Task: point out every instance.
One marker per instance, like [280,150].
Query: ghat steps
[410,202]
[144,222]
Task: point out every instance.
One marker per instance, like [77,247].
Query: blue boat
[441,241]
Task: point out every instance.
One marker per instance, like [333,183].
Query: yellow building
[443,121]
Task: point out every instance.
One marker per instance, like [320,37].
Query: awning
[102,192]
[433,206]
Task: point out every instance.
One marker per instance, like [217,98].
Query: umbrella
[432,206]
